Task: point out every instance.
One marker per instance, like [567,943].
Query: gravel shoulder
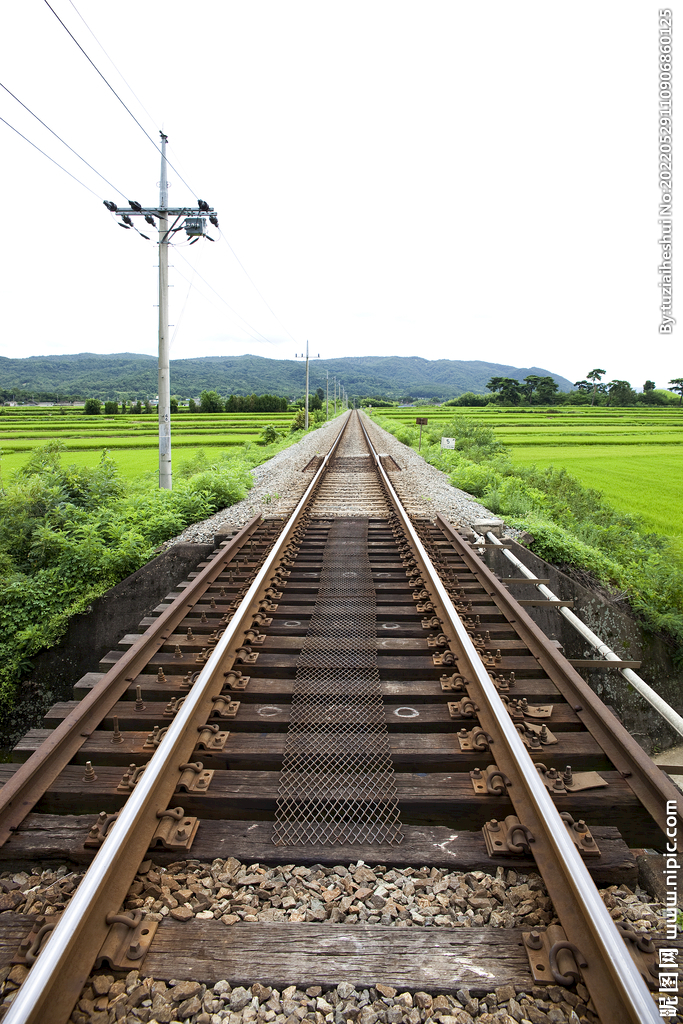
[280,483]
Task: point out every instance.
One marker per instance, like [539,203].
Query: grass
[131,463]
[132,439]
[646,480]
[608,530]
[632,456]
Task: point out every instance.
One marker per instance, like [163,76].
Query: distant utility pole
[327,395]
[302,356]
[194,224]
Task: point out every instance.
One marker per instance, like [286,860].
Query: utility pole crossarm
[156,211]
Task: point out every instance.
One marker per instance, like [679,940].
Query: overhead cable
[127,84]
[256,289]
[62,140]
[50,158]
[262,336]
[109,86]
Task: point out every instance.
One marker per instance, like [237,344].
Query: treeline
[537,390]
[210,401]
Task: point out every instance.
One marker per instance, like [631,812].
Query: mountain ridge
[131,375]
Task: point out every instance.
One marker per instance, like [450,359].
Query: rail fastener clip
[128,940]
[175,831]
[507,837]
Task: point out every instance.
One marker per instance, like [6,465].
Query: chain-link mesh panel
[336,784]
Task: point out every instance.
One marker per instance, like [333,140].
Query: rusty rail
[51,989]
[615,985]
[648,782]
[22,792]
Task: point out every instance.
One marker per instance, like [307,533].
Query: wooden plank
[431,751]
[424,959]
[540,690]
[61,837]
[273,717]
[436,798]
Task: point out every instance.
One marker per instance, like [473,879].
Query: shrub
[570,524]
[92,407]
[219,489]
[299,421]
[111,408]
[269,434]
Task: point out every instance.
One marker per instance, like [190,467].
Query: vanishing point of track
[348,683]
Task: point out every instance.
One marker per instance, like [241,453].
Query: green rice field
[633,456]
[132,439]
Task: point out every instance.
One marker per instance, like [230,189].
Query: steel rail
[56,979]
[646,780]
[658,703]
[35,776]
[615,985]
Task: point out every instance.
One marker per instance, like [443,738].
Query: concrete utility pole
[327,395]
[193,221]
[305,356]
[165,464]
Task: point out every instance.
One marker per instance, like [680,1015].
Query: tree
[509,389]
[529,386]
[174,405]
[211,401]
[595,376]
[677,385]
[111,408]
[93,407]
[192,405]
[621,393]
[547,389]
[649,385]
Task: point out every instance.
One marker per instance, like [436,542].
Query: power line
[90,61]
[244,270]
[256,289]
[62,140]
[50,158]
[129,111]
[267,340]
[127,84]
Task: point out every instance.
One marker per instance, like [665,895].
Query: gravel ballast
[231,891]
[280,483]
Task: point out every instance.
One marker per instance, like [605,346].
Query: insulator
[134,206]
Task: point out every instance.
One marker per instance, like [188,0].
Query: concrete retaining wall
[96,631]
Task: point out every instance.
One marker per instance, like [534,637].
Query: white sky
[443,179]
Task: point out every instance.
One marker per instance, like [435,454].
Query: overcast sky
[443,179]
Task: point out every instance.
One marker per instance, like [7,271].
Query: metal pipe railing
[653,698]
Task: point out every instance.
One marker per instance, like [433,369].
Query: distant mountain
[128,376]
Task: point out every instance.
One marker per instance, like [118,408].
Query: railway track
[348,685]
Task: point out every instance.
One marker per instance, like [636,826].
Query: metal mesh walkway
[336,784]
